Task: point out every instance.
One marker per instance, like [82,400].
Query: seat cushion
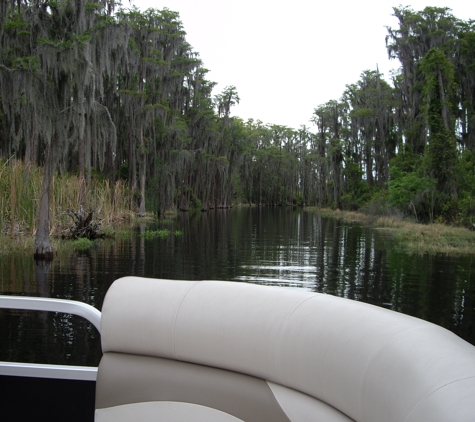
[369,363]
[127,379]
[162,411]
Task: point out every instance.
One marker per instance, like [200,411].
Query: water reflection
[272,246]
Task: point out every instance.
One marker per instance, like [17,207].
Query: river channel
[272,246]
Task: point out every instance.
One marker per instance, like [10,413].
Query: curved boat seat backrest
[236,351]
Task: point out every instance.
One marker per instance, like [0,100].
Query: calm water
[272,246]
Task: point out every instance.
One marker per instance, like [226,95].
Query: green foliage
[436,69]
[466,190]
[152,234]
[441,156]
[122,233]
[83,243]
[298,199]
[19,186]
[93,6]
[26,63]
[413,193]
[224,101]
[380,205]
[150,115]
[124,171]
[357,191]
[16,24]
[195,203]
[405,161]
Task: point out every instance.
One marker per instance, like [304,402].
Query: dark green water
[272,246]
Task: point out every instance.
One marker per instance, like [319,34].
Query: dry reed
[20,188]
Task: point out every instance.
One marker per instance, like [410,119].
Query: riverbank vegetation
[98,99]
[412,237]
[20,189]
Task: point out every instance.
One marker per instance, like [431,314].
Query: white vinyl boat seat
[224,351]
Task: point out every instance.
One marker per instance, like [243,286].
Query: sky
[286,58]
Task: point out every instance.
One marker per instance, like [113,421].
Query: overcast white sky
[288,57]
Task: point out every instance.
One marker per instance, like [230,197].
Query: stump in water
[84,225]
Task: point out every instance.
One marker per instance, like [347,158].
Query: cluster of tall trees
[408,143]
[87,88]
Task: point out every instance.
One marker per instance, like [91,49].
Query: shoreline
[433,238]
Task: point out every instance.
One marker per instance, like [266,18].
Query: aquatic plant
[83,244]
[152,234]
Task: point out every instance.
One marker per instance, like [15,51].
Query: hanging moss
[441,156]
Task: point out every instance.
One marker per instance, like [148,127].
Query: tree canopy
[88,88]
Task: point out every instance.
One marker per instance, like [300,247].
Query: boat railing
[84,373]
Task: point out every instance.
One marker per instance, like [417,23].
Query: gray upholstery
[260,353]
[150,379]
[162,411]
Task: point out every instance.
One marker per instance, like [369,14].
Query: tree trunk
[142,187]
[142,170]
[82,179]
[43,249]
[88,164]
[445,112]
[184,202]
[369,163]
[31,150]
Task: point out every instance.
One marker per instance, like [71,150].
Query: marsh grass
[21,244]
[18,197]
[435,238]
[20,189]
[113,204]
[350,217]
[412,237]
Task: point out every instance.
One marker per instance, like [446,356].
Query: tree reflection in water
[272,246]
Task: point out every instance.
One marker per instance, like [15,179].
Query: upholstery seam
[300,392]
[437,389]
[195,283]
[284,324]
[276,400]
[371,359]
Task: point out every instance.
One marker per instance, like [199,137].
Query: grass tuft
[83,244]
